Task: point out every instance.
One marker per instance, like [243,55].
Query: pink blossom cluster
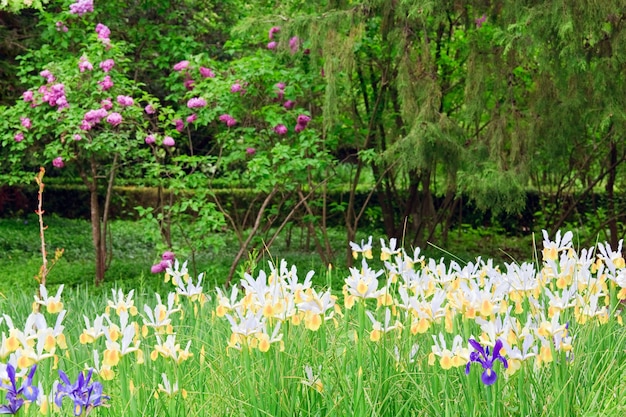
[125,101]
[81,7]
[179,125]
[150,139]
[238,88]
[58,162]
[48,76]
[167,260]
[294,44]
[114,118]
[107,65]
[103,34]
[181,65]
[106,104]
[25,121]
[106,83]
[149,109]
[280,129]
[191,118]
[54,95]
[207,72]
[301,123]
[228,119]
[84,64]
[19,136]
[273,44]
[168,141]
[289,104]
[196,102]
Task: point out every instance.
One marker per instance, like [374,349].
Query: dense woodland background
[426,117]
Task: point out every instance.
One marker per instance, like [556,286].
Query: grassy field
[417,337]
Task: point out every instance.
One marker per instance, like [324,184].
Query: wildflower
[272,45]
[486,358]
[77,137]
[448,358]
[106,83]
[289,104]
[125,100]
[191,118]
[159,317]
[196,102]
[311,380]
[552,249]
[16,396]
[273,30]
[81,7]
[27,96]
[91,333]
[94,116]
[150,139]
[19,136]
[189,83]
[168,388]
[53,304]
[207,72]
[250,151]
[122,303]
[114,119]
[378,328]
[235,88]
[365,249]
[84,394]
[149,109]
[280,129]
[168,141]
[181,66]
[170,349]
[107,65]
[363,283]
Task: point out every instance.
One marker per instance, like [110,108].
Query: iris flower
[85,395]
[16,396]
[486,358]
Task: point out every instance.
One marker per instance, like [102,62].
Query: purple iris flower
[85,395]
[486,358]
[16,396]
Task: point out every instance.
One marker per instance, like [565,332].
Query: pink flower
[168,141]
[85,125]
[179,125]
[303,119]
[58,162]
[272,45]
[84,64]
[207,72]
[149,109]
[107,65]
[181,65]
[125,100]
[106,104]
[228,119]
[196,102]
[280,86]
[299,127]
[294,44]
[168,256]
[289,104]
[280,129]
[273,30]
[189,83]
[106,83]
[192,118]
[114,119]
[235,88]
[94,116]
[61,27]
[27,96]
[19,137]
[150,139]
[103,31]
[157,269]
[48,76]
[479,21]
[26,122]
[77,137]
[81,7]
[250,151]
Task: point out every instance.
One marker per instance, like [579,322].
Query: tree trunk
[610,195]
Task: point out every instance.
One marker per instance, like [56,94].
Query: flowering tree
[81,114]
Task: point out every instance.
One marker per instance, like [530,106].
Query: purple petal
[489,377]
